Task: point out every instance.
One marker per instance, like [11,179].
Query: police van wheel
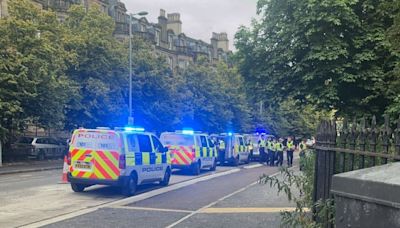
[77,187]
[248,159]
[214,167]
[166,178]
[196,168]
[221,158]
[235,161]
[129,188]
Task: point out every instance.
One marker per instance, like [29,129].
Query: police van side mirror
[165,150]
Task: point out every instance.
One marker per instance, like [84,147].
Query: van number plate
[83,165]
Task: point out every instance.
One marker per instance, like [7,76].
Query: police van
[190,150]
[125,157]
[236,150]
[252,141]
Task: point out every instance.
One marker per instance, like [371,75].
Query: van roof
[234,134]
[182,133]
[108,131]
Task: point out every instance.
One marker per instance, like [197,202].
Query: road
[29,198]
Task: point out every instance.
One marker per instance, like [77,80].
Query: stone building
[59,6]
[171,42]
[166,35]
[3,8]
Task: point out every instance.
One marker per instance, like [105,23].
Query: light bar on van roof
[187,132]
[102,128]
[139,129]
[230,133]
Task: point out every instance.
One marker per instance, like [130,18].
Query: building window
[170,62]
[170,42]
[157,38]
[181,64]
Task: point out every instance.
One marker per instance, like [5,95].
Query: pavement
[233,200]
[30,166]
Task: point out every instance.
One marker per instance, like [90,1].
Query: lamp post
[130,118]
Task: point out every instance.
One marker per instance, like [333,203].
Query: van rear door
[95,154]
[181,147]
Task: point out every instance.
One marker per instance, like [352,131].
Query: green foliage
[34,86]
[98,70]
[333,55]
[157,92]
[393,88]
[75,73]
[215,97]
[291,117]
[290,182]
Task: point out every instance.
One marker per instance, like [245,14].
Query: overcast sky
[201,17]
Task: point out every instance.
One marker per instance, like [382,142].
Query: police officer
[270,150]
[279,152]
[250,148]
[272,154]
[289,151]
[221,151]
[262,144]
[302,152]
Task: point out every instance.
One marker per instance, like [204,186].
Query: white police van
[125,157]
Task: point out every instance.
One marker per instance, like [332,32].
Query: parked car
[38,147]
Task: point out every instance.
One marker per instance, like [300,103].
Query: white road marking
[217,201]
[129,200]
[236,210]
[150,209]
[252,166]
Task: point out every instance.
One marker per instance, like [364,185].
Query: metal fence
[343,146]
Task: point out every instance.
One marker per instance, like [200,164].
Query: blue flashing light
[138,129]
[230,133]
[187,132]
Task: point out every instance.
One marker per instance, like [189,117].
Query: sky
[201,17]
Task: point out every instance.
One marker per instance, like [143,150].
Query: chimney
[220,41]
[175,23]
[162,22]
[162,13]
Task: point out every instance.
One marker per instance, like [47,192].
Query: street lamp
[130,118]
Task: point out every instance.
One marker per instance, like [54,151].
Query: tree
[331,54]
[98,70]
[157,92]
[292,118]
[392,89]
[216,99]
[33,85]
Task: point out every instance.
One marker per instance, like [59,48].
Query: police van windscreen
[177,139]
[254,138]
[95,140]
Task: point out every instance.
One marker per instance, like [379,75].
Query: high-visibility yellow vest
[250,146]
[270,145]
[262,143]
[278,146]
[221,145]
[290,145]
